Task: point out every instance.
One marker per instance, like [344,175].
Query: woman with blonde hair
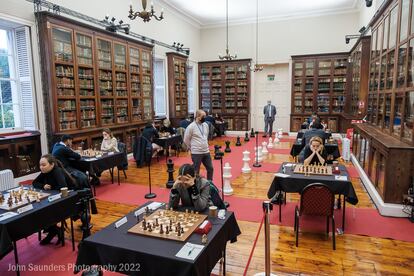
[109,142]
[314,152]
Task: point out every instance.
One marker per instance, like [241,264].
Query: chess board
[188,222]
[312,169]
[19,198]
[90,153]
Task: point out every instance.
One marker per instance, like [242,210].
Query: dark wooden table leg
[343,216]
[16,258]
[73,234]
[62,232]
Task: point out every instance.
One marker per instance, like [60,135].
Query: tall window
[159,93]
[16,94]
[190,85]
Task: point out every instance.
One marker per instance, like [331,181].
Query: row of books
[64,71]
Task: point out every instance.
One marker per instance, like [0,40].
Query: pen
[191,250]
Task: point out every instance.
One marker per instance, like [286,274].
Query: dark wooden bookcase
[319,84]
[384,146]
[358,77]
[93,79]
[177,87]
[225,90]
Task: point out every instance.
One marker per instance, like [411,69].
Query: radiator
[6,180]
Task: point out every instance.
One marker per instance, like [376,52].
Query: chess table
[128,253]
[295,183]
[43,214]
[20,197]
[167,142]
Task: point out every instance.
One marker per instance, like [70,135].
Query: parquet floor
[355,255]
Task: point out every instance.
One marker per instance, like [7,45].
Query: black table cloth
[43,214]
[296,182]
[154,256]
[331,149]
[100,164]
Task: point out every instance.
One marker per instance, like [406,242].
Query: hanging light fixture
[227,56]
[257,67]
[144,14]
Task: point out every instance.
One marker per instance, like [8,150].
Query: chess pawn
[227,189]
[246,137]
[161,229]
[276,141]
[227,149]
[144,225]
[246,158]
[252,135]
[264,148]
[270,145]
[280,133]
[238,143]
[167,230]
[259,154]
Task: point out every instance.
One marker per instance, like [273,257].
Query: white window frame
[191,88]
[164,87]
[16,81]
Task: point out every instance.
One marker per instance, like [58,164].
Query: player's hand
[187,181]
[47,187]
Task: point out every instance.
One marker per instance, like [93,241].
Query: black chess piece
[246,137]
[217,153]
[238,143]
[170,170]
[252,135]
[227,149]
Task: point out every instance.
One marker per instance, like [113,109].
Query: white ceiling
[213,12]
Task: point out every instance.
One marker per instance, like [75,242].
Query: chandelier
[144,14]
[257,67]
[227,56]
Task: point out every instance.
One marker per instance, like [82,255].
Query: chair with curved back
[316,199]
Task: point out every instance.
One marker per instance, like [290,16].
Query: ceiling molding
[252,20]
[180,14]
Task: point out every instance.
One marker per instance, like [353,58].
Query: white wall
[366,14]
[279,40]
[278,91]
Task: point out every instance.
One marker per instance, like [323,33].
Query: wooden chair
[316,200]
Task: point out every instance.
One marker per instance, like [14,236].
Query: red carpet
[359,221]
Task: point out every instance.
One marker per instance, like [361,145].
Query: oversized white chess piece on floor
[246,158]
[258,153]
[280,133]
[270,145]
[227,189]
[277,140]
[264,148]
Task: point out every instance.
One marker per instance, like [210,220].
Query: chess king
[193,191]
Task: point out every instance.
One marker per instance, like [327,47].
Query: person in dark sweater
[63,152]
[314,152]
[150,132]
[52,177]
[166,127]
[185,122]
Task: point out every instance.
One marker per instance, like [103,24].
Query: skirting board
[385,209]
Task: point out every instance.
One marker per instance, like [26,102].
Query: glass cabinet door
[405,15]
[401,68]
[398,109]
[309,68]
[298,68]
[62,45]
[324,67]
[408,131]
[410,75]
[387,116]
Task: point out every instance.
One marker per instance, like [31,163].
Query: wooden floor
[355,255]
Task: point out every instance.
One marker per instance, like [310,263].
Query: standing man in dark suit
[269,112]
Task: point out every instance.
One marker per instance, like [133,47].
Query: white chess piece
[227,189]
[264,148]
[246,158]
[280,133]
[277,140]
[259,154]
[270,145]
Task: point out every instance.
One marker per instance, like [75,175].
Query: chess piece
[144,225]
[238,143]
[252,133]
[170,170]
[246,158]
[161,229]
[264,148]
[156,222]
[246,137]
[217,154]
[204,239]
[227,149]
[276,141]
[10,201]
[270,145]
[227,189]
[179,232]
[259,154]
[167,230]
[280,133]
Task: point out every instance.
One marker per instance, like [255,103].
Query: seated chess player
[166,127]
[109,142]
[314,152]
[68,157]
[315,130]
[52,177]
[150,132]
[184,123]
[194,192]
